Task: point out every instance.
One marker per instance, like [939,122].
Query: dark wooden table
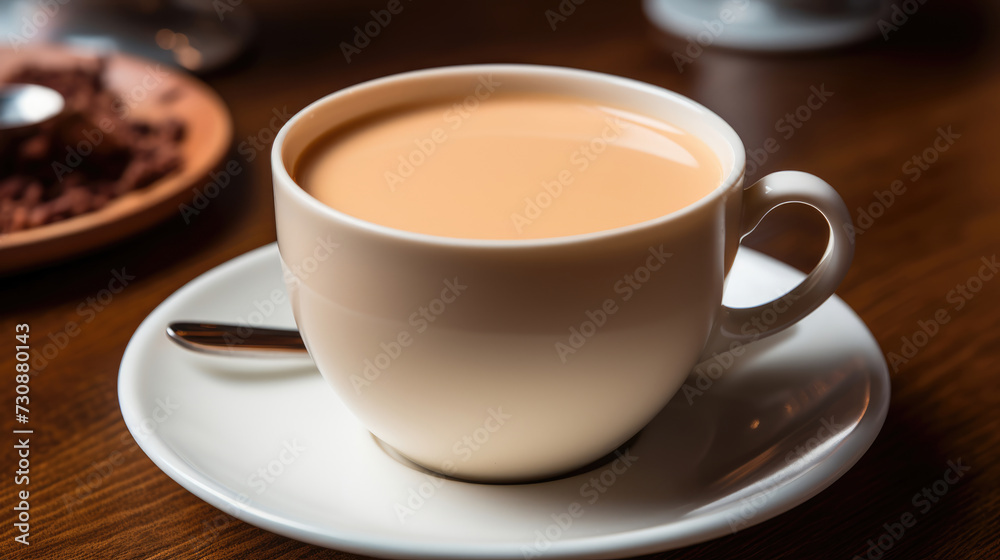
[940,71]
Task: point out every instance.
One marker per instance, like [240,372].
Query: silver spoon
[25,105]
[237,340]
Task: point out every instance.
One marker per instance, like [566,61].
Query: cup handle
[735,327]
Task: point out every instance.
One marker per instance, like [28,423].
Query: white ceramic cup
[516,360]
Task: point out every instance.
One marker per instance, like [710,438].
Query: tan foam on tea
[516,166]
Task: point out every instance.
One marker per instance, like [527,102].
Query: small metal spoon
[237,340]
[24,105]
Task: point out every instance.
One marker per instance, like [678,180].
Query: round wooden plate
[151,92]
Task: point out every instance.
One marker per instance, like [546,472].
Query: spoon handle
[237,340]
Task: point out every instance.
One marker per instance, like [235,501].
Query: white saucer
[781,425]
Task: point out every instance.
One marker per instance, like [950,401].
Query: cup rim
[283,179]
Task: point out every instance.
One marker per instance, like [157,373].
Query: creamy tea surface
[512,166]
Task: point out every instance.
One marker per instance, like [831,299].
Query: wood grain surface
[940,71]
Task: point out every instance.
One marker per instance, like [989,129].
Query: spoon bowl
[27,105]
